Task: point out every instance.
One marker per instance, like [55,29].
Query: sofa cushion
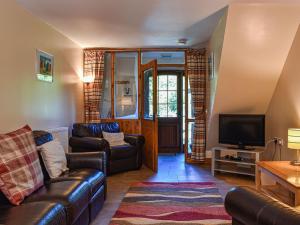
[114,139]
[94,129]
[20,169]
[54,158]
[37,213]
[41,137]
[73,195]
[122,152]
[95,178]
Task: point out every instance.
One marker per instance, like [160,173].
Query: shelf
[235,168]
[236,172]
[239,150]
[223,159]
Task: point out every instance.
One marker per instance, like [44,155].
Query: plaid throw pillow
[20,169]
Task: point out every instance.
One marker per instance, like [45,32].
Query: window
[167,96]
[190,119]
[126,85]
[105,105]
[148,96]
[164,57]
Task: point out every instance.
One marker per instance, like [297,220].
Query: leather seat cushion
[74,195]
[122,152]
[95,178]
[37,213]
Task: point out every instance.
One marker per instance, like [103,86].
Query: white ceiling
[130,23]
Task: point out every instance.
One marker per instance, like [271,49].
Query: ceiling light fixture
[182,41]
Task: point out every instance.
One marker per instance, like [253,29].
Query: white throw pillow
[54,158]
[114,139]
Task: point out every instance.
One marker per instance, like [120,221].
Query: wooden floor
[170,169]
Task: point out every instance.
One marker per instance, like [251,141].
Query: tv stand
[235,161]
[241,148]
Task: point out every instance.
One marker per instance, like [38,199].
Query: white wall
[23,99]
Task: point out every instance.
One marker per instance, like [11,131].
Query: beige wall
[258,37]
[24,100]
[284,109]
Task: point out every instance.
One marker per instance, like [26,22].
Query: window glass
[190,136]
[126,85]
[190,103]
[164,57]
[105,105]
[167,96]
[148,94]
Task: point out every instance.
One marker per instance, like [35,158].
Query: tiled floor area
[171,169]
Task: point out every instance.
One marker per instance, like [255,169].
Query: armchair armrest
[247,206]
[92,160]
[134,139]
[89,144]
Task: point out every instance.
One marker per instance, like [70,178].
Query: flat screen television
[242,130]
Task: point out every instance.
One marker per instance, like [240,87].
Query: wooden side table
[282,173]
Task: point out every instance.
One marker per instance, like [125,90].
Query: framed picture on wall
[44,66]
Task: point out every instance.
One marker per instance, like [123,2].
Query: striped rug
[172,203]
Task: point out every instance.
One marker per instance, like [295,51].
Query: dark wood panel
[169,135]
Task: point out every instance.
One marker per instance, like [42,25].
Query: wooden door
[149,123]
[169,111]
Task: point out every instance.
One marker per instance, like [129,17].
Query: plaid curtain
[93,66]
[197,72]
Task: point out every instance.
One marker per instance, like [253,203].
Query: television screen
[242,130]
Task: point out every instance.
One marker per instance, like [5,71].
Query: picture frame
[44,66]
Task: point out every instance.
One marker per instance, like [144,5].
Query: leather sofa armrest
[247,206]
[89,144]
[134,139]
[91,160]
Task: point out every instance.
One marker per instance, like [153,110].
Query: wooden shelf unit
[244,167]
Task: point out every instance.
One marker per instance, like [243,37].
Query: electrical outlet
[278,141]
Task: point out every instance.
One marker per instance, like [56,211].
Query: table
[281,172]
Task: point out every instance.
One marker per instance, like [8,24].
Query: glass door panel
[148,94]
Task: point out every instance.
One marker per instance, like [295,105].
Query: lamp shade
[294,138]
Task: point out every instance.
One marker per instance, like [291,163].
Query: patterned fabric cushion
[20,169]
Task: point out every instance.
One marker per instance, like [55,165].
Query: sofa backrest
[94,129]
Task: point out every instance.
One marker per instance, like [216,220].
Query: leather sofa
[249,207]
[88,137]
[73,198]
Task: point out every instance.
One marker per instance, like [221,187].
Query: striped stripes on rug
[163,203]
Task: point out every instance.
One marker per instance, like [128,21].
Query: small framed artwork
[44,66]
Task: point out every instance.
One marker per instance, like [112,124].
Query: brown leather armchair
[88,137]
[248,207]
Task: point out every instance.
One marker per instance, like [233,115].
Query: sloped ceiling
[257,40]
[130,23]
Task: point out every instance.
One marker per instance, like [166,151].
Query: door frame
[180,96]
[150,123]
